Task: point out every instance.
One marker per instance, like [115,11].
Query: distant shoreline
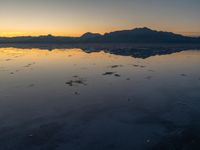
[135,36]
[101,45]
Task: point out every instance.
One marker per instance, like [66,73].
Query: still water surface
[70,99]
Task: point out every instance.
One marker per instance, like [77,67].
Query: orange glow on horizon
[15,34]
[74,18]
[77,33]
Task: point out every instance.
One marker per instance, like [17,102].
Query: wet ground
[69,99]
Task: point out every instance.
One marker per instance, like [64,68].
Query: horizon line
[189,34]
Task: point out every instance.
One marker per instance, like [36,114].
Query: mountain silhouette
[137,35]
[145,35]
[90,35]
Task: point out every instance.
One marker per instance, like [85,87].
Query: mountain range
[137,35]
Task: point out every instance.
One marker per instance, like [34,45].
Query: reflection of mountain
[138,35]
[134,50]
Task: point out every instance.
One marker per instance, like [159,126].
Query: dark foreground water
[67,99]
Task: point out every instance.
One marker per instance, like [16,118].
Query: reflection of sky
[51,69]
[36,102]
[66,62]
[74,17]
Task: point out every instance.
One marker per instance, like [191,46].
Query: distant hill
[90,35]
[144,35]
[137,35]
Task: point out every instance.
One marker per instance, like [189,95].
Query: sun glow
[18,33]
[12,34]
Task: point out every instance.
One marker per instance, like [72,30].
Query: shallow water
[70,99]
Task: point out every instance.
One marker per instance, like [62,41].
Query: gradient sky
[74,17]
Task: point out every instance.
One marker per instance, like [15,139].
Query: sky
[75,17]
